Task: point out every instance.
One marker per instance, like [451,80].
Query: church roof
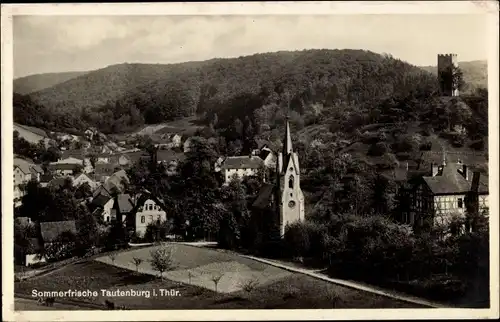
[287,143]
[264,197]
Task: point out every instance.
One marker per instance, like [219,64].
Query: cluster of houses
[433,196]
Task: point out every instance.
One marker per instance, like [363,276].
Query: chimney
[475,182]
[465,172]
[435,169]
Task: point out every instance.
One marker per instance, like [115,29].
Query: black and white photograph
[251,161]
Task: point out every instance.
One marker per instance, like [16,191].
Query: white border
[253,8]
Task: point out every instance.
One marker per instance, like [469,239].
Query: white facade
[446,206]
[149,213]
[106,210]
[229,173]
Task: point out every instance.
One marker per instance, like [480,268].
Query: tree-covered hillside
[35,83]
[123,96]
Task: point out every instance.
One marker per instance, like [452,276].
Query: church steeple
[287,142]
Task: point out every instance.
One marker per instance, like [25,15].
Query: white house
[241,166]
[104,205]
[148,210]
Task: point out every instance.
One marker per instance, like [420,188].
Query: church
[282,202]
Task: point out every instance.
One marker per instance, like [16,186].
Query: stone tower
[446,63]
[289,195]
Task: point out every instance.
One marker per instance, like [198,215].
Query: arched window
[143,219]
[290,182]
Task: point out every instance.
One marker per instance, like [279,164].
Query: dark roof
[58,182]
[77,154]
[146,195]
[64,166]
[100,200]
[124,203]
[451,181]
[169,155]
[242,162]
[51,230]
[101,190]
[103,168]
[470,158]
[264,153]
[47,177]
[264,198]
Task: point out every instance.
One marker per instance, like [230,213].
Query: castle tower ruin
[445,68]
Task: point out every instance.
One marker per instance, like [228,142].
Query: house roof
[169,155]
[78,154]
[100,200]
[23,165]
[451,181]
[264,197]
[124,202]
[58,182]
[242,162]
[51,230]
[69,160]
[31,129]
[63,166]
[264,154]
[47,177]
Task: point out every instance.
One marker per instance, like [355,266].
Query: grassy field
[288,291]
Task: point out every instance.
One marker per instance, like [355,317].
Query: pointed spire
[287,142]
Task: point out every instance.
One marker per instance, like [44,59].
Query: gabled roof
[242,162]
[31,129]
[451,181]
[64,166]
[100,200]
[264,198]
[51,230]
[124,203]
[58,182]
[69,160]
[23,165]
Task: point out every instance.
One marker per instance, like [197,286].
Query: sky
[47,44]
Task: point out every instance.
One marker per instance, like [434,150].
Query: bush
[403,156]
[377,149]
[477,145]
[406,143]
[426,146]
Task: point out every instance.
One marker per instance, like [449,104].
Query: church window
[291,169]
[290,182]
[143,219]
[460,203]
[291,204]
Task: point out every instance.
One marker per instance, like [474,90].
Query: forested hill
[475,73]
[35,83]
[121,96]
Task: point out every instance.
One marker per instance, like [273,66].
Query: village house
[148,209]
[123,207]
[82,178]
[102,205]
[32,134]
[24,171]
[447,192]
[187,145]
[240,166]
[65,169]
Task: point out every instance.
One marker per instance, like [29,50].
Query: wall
[229,173]
[20,177]
[148,213]
[106,214]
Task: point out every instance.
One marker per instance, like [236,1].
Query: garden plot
[213,270]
